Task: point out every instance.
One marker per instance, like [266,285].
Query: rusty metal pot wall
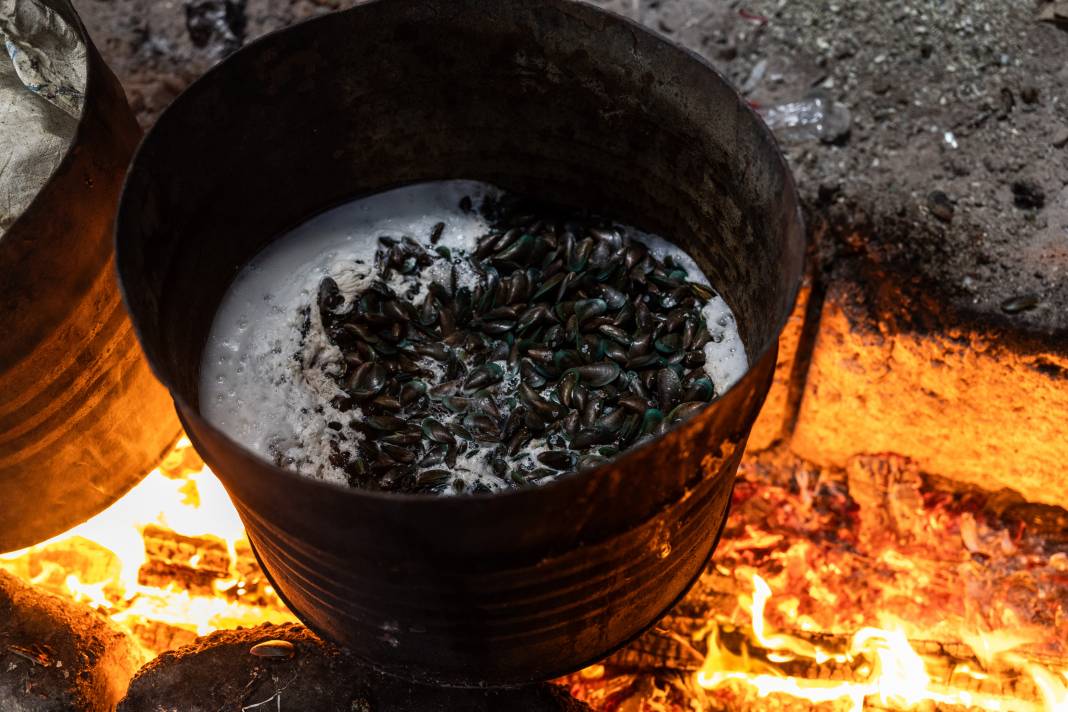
[82,419]
[547,97]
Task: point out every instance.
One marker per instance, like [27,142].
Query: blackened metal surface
[81,417]
[546,97]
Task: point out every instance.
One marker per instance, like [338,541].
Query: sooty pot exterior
[82,420]
[546,97]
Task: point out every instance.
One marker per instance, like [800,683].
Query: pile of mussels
[574,343]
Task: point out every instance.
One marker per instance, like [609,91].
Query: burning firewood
[195,563]
[737,671]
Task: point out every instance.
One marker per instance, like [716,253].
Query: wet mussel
[574,343]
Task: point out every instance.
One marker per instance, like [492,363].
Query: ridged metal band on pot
[548,97]
[82,419]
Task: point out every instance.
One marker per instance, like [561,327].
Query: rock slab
[57,655]
[219,672]
[982,406]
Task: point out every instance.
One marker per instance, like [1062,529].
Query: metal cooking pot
[548,97]
[82,420]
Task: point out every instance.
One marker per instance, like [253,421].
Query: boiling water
[268,372]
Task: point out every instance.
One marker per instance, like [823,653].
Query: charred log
[951,665]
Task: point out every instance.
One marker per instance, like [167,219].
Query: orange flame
[102,563]
[192,504]
[892,672]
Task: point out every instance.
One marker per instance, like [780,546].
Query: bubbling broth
[449,337]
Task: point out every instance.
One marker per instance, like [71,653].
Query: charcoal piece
[57,655]
[218,672]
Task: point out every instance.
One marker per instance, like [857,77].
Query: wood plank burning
[192,563]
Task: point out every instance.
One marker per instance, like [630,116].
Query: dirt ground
[954,170]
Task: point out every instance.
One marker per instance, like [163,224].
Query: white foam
[269,387]
[251,385]
[725,357]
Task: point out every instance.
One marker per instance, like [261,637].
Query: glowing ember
[169,561]
[890,671]
[830,592]
[943,601]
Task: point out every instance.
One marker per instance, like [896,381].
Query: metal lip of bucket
[470,499]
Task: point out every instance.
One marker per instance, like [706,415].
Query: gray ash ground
[967,99]
[910,72]
[572,343]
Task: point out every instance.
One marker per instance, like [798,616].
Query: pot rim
[188,411]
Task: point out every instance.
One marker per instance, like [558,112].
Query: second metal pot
[82,420]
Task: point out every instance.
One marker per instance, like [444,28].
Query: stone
[939,205]
[979,403]
[57,655]
[1056,13]
[1021,303]
[278,649]
[1027,194]
[221,672]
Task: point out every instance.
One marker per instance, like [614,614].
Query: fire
[861,588]
[890,670]
[201,576]
[803,608]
